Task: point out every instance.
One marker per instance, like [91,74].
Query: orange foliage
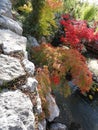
[60,61]
[54,4]
[43,77]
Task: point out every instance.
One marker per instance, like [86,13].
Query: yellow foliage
[90,97]
[27,8]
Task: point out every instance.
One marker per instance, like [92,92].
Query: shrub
[81,10]
[60,61]
[76,32]
[70,6]
[89,13]
[41,21]
[44,87]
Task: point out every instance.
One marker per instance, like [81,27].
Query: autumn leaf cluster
[60,61]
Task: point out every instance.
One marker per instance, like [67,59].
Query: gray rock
[53,108]
[10,121]
[10,68]
[16,111]
[31,84]
[42,125]
[93,66]
[25,55]
[58,126]
[29,66]
[5,8]
[10,24]
[94,77]
[12,42]
[38,104]
[65,47]
[32,42]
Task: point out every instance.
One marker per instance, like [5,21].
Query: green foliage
[38,16]
[26,8]
[81,10]
[68,5]
[23,8]
[41,21]
[71,6]
[89,13]
[31,23]
[46,22]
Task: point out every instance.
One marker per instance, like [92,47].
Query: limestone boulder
[93,66]
[52,107]
[12,42]
[5,8]
[10,68]
[8,23]
[31,84]
[32,42]
[16,111]
[29,67]
[42,125]
[38,104]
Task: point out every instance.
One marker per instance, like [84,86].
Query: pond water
[82,112]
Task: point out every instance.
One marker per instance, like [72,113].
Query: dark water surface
[82,112]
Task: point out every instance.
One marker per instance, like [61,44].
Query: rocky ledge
[16,111]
